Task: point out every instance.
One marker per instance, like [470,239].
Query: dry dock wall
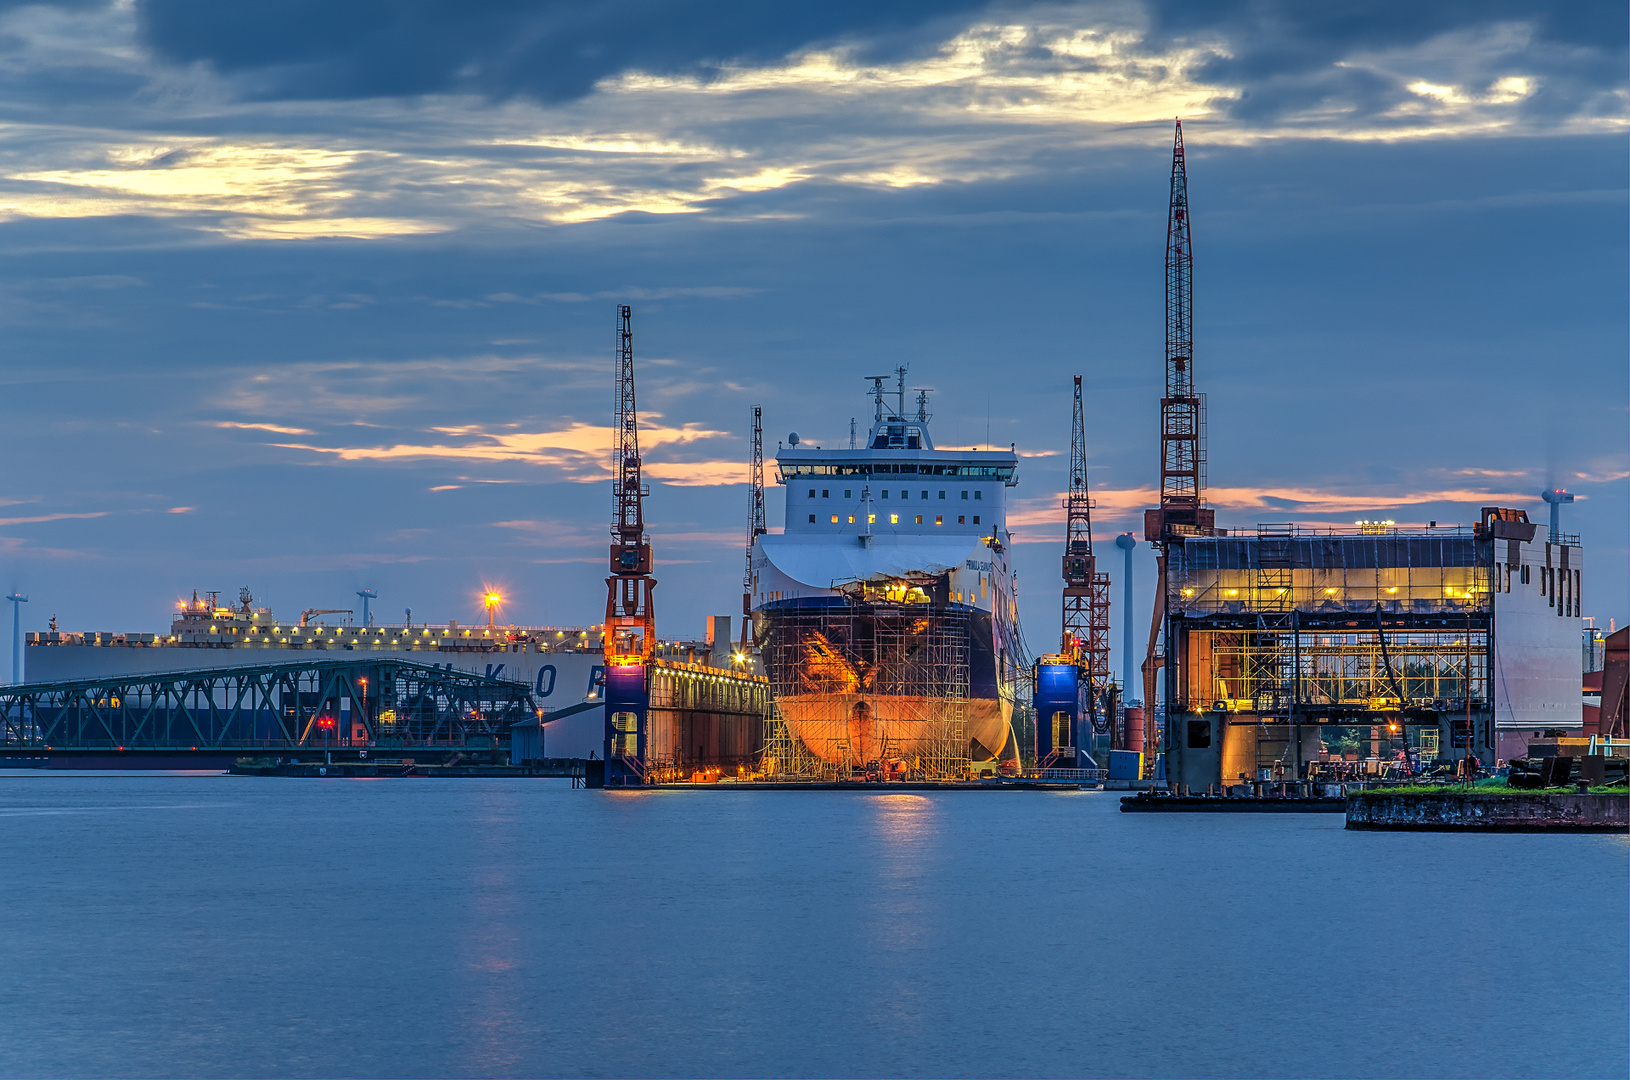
[1493,813]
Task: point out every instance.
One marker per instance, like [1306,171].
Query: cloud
[550,50]
[276,428]
[388,120]
[52,517]
[1123,505]
[180,510]
[582,451]
[1279,58]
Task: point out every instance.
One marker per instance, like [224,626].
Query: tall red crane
[630,631]
[1086,591]
[755,518]
[1182,509]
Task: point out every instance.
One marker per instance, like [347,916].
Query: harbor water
[210,925]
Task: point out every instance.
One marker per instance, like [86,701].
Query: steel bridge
[301,709]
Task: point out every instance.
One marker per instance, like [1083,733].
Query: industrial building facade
[1467,634]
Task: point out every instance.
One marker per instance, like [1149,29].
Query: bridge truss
[324,704]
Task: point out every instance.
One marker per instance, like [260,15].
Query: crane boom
[755,517]
[1182,411]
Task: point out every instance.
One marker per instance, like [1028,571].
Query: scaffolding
[877,684]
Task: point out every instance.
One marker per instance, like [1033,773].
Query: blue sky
[314,303]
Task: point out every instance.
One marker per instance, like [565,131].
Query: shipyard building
[1450,639]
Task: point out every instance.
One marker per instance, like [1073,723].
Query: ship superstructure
[885,609]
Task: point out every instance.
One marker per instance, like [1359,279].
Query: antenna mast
[1086,591]
[755,515]
[630,631]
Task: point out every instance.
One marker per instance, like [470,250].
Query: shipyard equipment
[630,631]
[755,522]
[1182,510]
[1063,720]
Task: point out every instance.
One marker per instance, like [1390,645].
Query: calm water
[221,926]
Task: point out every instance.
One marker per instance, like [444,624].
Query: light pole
[492,600]
[17,602]
[367,595]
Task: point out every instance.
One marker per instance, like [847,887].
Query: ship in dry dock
[885,612]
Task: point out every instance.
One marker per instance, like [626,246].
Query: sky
[314,298]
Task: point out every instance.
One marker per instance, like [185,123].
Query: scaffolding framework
[870,685]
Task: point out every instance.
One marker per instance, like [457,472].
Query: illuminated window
[851,519]
[919,519]
[871,519]
[961,519]
[939,520]
[894,519]
[834,519]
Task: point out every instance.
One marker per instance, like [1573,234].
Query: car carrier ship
[885,611]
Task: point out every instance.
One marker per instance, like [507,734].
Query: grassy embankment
[1496,785]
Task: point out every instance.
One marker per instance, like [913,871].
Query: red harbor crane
[1182,509]
[1086,591]
[630,631]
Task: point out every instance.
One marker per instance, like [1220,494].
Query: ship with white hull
[885,610]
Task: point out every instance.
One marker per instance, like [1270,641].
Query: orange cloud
[583,450]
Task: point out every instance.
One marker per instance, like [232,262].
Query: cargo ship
[885,611]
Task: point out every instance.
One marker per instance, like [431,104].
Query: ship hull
[860,683]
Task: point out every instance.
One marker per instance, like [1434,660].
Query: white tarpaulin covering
[826,564]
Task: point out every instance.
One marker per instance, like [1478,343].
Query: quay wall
[1515,812]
